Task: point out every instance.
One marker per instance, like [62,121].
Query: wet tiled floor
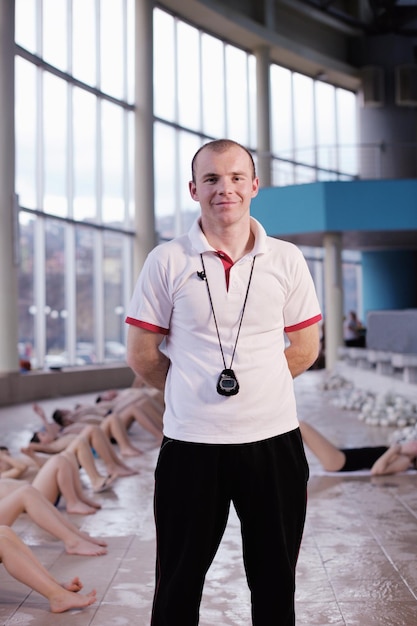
[357,563]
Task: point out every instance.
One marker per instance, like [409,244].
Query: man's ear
[193,190]
[255,187]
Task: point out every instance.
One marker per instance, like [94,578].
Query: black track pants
[195,484]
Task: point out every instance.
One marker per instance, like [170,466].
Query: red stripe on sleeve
[305,324]
[139,324]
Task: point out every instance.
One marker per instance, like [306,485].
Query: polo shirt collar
[200,243]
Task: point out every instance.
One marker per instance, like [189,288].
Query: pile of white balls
[375,409]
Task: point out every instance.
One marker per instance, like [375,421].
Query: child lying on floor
[380,460]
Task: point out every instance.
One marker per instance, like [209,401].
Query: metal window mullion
[336,125]
[70,292]
[200,81]
[98,288]
[315,140]
[39,290]
[125,51]
[98,44]
[293,153]
[248,127]
[177,207]
[176,94]
[39,251]
[127,253]
[226,125]
[177,192]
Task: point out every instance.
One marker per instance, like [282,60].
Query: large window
[75,153]
[204,89]
[74,147]
[313,129]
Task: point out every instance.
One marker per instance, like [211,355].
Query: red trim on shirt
[139,324]
[227,264]
[305,324]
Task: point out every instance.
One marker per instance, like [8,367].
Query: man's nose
[225,186]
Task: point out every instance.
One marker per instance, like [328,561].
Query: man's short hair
[221,145]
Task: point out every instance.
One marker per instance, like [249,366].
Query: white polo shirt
[171,298]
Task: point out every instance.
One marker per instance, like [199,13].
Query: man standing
[207,323]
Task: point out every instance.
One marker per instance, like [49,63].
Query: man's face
[224,185]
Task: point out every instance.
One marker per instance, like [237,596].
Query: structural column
[144,154]
[9,245]
[333,296]
[263,115]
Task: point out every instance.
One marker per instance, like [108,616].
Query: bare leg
[103,447]
[80,447]
[113,427]
[146,414]
[22,564]
[331,458]
[78,487]
[56,477]
[27,499]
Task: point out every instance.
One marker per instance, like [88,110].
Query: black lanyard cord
[214,315]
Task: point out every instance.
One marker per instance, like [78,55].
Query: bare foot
[96,541]
[73,585]
[67,600]
[83,547]
[91,502]
[130,451]
[123,470]
[104,484]
[80,508]
[409,448]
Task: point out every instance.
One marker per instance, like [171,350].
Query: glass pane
[26,296]
[114,346]
[84,306]
[326,125]
[25,133]
[304,175]
[188,52]
[130,51]
[212,85]
[55,141]
[282,173]
[165,180]
[84,129]
[55,34]
[84,58]
[281,112]
[113,210]
[111,48]
[131,174]
[55,301]
[237,95]
[164,90]
[347,131]
[252,100]
[304,119]
[188,146]
[351,273]
[25,23]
